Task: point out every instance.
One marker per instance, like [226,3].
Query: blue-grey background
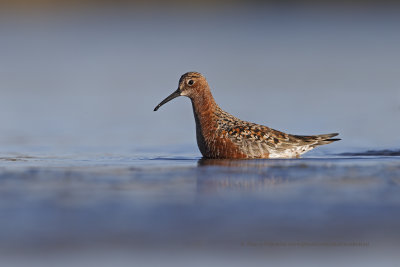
[93,77]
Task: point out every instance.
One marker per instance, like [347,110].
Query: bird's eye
[190,82]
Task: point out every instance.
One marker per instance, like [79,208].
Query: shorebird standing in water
[223,136]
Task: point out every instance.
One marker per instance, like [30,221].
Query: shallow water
[131,200]
[107,206]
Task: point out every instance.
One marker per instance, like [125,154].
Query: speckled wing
[259,141]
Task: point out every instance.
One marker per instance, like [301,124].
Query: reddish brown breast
[209,140]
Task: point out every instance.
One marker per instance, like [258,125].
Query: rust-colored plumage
[223,136]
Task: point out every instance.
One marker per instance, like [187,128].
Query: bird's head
[191,84]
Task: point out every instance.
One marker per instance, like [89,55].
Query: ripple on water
[385,152]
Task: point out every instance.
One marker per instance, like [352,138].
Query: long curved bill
[169,98]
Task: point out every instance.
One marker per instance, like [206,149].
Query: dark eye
[190,82]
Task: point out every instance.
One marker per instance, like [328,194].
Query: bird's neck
[204,107]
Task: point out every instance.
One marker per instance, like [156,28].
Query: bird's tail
[324,139]
[317,140]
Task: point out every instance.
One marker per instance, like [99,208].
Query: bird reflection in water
[242,163]
[236,175]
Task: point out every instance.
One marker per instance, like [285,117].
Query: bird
[221,135]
